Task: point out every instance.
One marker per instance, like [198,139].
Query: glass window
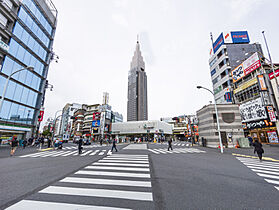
[24,96]
[10,90]
[7,66]
[13,47]
[5,109]
[20,53]
[13,112]
[18,30]
[20,113]
[18,92]
[2,84]
[29,77]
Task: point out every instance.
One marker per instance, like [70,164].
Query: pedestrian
[193,140]
[170,144]
[101,141]
[250,139]
[48,142]
[24,143]
[80,145]
[114,145]
[258,147]
[14,144]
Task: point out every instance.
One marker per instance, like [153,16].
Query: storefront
[8,132]
[263,130]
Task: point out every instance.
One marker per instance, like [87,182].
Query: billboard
[240,37]
[252,110]
[229,38]
[271,75]
[218,43]
[248,66]
[96,123]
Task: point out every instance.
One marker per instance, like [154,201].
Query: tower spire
[137,38]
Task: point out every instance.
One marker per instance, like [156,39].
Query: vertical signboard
[271,113]
[261,82]
[218,43]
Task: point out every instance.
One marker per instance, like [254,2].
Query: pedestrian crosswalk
[177,144]
[266,169]
[85,146]
[64,153]
[119,181]
[176,151]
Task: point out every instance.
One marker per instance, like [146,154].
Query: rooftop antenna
[137,38]
[211,37]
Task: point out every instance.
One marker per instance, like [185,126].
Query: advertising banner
[227,37]
[257,124]
[96,123]
[271,113]
[41,116]
[272,137]
[218,43]
[252,110]
[271,75]
[240,37]
[261,82]
[248,66]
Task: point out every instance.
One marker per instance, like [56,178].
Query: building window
[228,117]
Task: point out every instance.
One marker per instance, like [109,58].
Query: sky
[95,41]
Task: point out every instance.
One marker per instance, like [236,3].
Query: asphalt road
[138,176]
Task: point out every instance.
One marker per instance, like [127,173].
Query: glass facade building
[29,44]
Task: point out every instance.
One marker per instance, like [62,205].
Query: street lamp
[217,118]
[7,82]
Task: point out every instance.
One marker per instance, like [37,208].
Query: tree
[46,133]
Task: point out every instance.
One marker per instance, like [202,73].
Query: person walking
[258,147]
[24,143]
[114,145]
[170,144]
[80,145]
[250,139]
[48,142]
[14,144]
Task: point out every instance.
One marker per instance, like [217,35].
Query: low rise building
[141,129]
[230,124]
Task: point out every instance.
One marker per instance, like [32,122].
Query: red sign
[41,116]
[271,113]
[271,75]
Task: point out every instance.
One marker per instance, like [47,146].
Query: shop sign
[218,43]
[252,110]
[257,124]
[246,85]
[248,66]
[272,137]
[96,123]
[271,113]
[261,82]
[271,75]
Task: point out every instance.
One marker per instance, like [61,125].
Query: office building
[228,51]
[27,31]
[137,89]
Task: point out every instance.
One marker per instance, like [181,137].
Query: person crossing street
[80,145]
[114,145]
[14,145]
[170,144]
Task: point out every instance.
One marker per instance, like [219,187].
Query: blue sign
[218,43]
[240,37]
[96,123]
[213,72]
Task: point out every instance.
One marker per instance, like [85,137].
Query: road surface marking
[121,164]
[107,182]
[42,205]
[117,168]
[106,173]
[93,153]
[122,161]
[104,193]
[85,153]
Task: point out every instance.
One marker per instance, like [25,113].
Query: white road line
[49,154]
[151,150]
[123,161]
[93,153]
[131,159]
[262,168]
[106,173]
[276,187]
[107,182]
[264,171]
[101,153]
[272,181]
[85,153]
[183,145]
[57,154]
[42,205]
[161,150]
[260,163]
[65,152]
[35,154]
[117,168]
[131,195]
[130,156]
[268,176]
[70,153]
[121,164]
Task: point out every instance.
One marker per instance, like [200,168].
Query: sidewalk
[269,151]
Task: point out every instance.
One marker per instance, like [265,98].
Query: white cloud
[120,20]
